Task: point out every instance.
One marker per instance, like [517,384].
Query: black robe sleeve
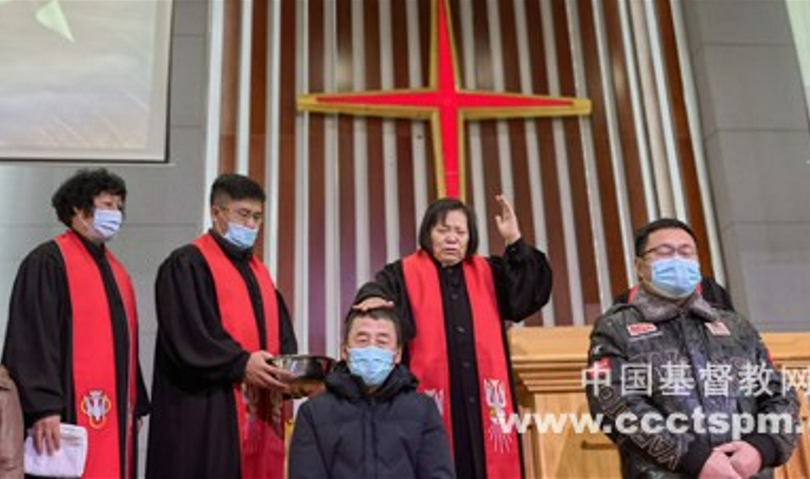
[191,336]
[522,280]
[38,333]
[142,401]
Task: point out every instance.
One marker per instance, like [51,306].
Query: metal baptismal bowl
[309,371]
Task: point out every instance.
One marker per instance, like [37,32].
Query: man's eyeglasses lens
[668,250]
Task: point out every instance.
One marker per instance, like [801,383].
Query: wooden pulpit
[548,364]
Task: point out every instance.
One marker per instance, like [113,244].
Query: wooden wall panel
[346,152]
[288,152]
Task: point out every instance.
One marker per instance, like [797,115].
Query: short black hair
[437,213]
[236,187]
[385,314]
[643,233]
[81,189]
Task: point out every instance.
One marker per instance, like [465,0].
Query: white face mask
[371,363]
[241,236]
[106,223]
[675,278]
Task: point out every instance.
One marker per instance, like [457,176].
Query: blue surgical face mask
[241,236]
[371,363]
[106,223]
[675,278]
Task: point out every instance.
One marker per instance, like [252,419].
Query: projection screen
[84,80]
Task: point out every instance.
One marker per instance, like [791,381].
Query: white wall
[756,130]
[165,203]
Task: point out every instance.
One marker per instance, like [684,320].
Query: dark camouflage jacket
[717,352]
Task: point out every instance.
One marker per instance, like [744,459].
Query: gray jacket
[698,361]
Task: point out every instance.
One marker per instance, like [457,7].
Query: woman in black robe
[522,278]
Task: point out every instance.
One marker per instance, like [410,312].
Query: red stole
[94,378]
[259,414]
[429,362]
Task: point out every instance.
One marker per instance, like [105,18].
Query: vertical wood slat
[316,169]
[671,168]
[360,161]
[404,142]
[489,131]
[258,93]
[287,157]
[424,45]
[416,69]
[601,140]
[637,20]
[331,195]
[346,220]
[517,134]
[273,137]
[257,139]
[579,189]
[229,106]
[517,128]
[617,153]
[376,175]
[551,191]
[592,177]
[632,161]
[639,135]
[391,233]
[505,149]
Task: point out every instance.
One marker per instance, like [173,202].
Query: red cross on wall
[445,104]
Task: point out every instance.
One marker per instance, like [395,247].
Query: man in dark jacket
[668,358]
[370,422]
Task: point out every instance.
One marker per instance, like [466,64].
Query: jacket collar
[348,386]
[656,309]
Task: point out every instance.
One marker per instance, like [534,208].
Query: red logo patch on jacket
[718,328]
[640,329]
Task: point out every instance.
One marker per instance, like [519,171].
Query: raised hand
[507,221]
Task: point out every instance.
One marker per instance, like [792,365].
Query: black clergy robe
[193,431]
[523,285]
[38,351]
